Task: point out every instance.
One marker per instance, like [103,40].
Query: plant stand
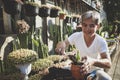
[25,69]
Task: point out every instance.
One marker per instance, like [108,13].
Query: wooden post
[44,27]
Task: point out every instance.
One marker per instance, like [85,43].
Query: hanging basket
[11,7]
[75,69]
[44,11]
[68,19]
[31,9]
[54,11]
[74,19]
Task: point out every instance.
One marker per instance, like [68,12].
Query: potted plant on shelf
[22,59]
[54,11]
[44,11]
[31,8]
[11,7]
[75,18]
[68,19]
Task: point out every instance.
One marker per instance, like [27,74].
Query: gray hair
[94,15]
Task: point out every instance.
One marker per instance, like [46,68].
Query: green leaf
[35,42]
[78,55]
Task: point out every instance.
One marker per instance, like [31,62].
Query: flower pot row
[69,19]
[30,9]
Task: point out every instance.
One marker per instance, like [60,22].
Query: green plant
[31,3]
[22,56]
[62,12]
[55,58]
[45,6]
[41,64]
[56,8]
[77,56]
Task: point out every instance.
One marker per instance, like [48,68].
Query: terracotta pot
[61,16]
[75,69]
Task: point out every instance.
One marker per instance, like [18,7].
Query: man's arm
[104,62]
[61,46]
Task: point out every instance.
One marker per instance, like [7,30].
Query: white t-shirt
[99,45]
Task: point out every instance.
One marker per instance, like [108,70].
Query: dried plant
[23,27]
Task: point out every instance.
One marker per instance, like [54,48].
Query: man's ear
[99,25]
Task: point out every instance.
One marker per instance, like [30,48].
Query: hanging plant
[11,7]
[44,11]
[68,19]
[31,9]
[54,11]
[62,15]
[75,18]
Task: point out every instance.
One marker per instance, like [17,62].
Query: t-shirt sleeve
[103,46]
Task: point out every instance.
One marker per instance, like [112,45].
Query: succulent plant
[22,56]
[41,64]
[56,58]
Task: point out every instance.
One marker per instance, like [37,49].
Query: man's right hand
[60,48]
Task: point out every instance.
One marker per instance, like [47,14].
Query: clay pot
[75,69]
[61,15]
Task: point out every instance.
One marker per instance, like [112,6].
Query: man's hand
[88,62]
[60,48]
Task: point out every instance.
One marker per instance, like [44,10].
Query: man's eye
[85,25]
[92,25]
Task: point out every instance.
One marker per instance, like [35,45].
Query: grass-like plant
[22,56]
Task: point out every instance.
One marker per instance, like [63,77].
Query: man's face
[89,28]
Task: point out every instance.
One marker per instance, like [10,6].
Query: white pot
[25,69]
